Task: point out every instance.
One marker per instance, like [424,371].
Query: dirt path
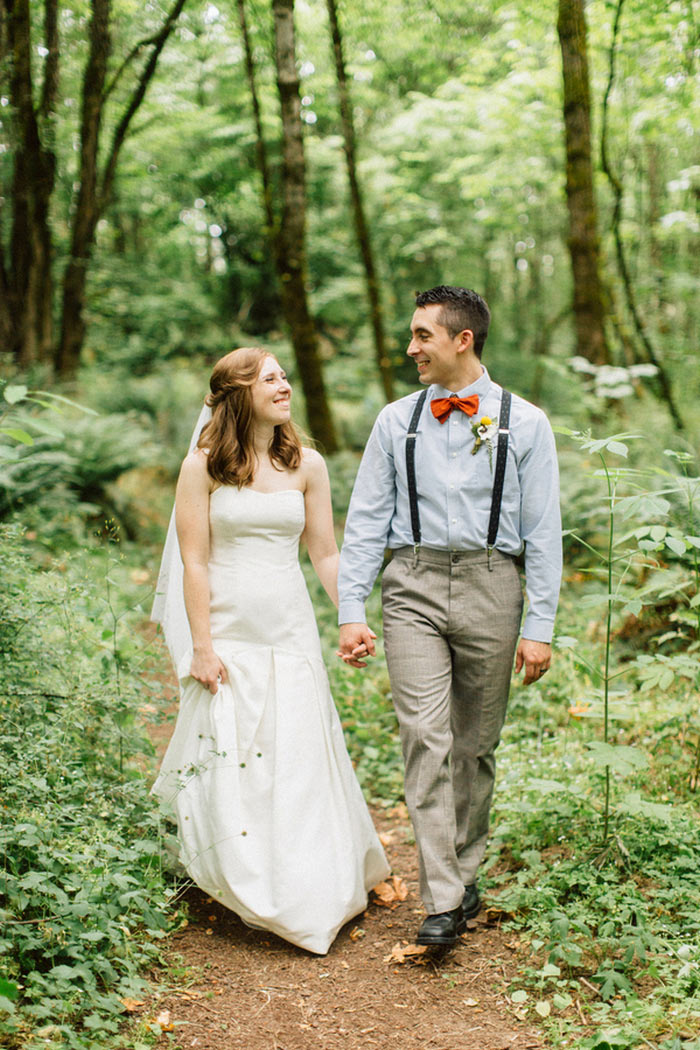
[228,987]
[251,990]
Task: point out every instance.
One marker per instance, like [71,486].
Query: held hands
[356,643]
[535,657]
[208,669]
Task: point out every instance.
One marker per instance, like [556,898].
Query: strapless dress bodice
[247,525]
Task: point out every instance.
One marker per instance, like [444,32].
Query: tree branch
[49,91]
[148,41]
[260,150]
[120,133]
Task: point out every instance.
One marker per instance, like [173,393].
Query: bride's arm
[192,520]
[318,533]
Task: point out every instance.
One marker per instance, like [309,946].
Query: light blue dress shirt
[454,498]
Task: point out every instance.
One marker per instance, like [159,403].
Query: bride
[271,819]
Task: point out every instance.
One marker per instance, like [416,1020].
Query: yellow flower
[486,421]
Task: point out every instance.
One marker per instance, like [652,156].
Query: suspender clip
[416,549]
[488,558]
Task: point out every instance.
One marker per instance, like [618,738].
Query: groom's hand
[356,643]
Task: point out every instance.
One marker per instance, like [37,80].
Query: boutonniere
[484,431]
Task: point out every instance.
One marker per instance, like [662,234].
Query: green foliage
[602,858]
[59,460]
[83,896]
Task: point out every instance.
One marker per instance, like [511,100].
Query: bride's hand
[208,669]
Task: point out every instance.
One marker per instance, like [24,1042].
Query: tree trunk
[584,247]
[260,150]
[86,207]
[358,209]
[94,190]
[291,260]
[26,318]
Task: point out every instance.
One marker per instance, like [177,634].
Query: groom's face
[437,354]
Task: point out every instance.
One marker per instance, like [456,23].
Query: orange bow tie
[441,407]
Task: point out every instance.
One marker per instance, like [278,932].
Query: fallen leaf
[401,952]
[356,933]
[131,1005]
[390,893]
[386,838]
[496,916]
[470,1002]
[163,1019]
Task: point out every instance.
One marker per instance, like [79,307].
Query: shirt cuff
[537,629]
[351,611]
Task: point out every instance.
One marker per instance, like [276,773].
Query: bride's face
[271,394]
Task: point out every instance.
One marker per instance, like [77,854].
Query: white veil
[169,601]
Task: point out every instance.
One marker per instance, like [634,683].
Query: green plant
[84,898]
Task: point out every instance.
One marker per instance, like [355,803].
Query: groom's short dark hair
[461,308]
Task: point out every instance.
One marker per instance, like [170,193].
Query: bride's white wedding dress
[271,819]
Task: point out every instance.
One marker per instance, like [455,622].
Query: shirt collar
[480,387]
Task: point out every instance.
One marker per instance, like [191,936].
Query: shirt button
[451,486]
[454,521]
[454,455]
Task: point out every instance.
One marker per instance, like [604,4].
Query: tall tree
[291,240]
[618,195]
[358,209]
[26,309]
[584,245]
[95,187]
[26,270]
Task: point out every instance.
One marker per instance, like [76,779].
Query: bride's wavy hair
[229,433]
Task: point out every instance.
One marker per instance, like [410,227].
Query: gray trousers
[450,631]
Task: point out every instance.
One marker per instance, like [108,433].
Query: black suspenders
[501,458]
[411,468]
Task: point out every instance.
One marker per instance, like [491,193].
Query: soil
[250,990]
[228,987]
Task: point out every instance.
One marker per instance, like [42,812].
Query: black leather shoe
[471,902]
[443,928]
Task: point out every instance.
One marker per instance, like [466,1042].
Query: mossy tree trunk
[291,239]
[26,320]
[95,187]
[584,246]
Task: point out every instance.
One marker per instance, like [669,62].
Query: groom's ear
[466,341]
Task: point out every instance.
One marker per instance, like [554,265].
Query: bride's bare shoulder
[311,460]
[194,468]
[313,467]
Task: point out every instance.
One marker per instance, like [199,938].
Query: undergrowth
[83,897]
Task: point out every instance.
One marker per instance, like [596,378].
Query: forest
[181,177]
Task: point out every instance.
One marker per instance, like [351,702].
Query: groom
[457,480]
